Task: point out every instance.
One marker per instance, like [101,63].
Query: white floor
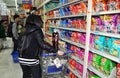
[8,69]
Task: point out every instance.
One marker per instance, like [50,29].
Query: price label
[96,32]
[97,12]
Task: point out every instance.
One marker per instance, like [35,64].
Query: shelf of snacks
[74,71]
[71,42]
[106,34]
[106,54]
[69,11]
[102,66]
[62,4]
[65,28]
[91,68]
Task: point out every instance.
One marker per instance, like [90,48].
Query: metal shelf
[71,29]
[45,2]
[68,16]
[77,59]
[74,71]
[102,75]
[71,42]
[106,12]
[106,55]
[106,34]
[63,5]
[48,33]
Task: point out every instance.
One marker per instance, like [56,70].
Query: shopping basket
[15,56]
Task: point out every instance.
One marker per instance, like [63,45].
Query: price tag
[97,12]
[119,61]
[90,69]
[96,32]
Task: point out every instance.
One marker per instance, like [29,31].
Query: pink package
[78,52]
[118,25]
[114,23]
[89,58]
[81,53]
[80,68]
[83,38]
[91,41]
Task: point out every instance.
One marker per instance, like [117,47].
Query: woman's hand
[60,53]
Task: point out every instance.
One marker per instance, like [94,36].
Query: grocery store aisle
[8,69]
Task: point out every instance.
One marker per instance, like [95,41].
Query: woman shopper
[33,45]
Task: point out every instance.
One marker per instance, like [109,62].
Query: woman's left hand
[60,53]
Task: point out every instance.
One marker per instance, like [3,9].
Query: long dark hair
[34,20]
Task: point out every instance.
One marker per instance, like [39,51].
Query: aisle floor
[8,69]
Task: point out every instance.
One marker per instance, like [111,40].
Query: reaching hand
[60,53]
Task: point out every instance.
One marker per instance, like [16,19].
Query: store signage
[26,4]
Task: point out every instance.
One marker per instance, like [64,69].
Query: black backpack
[9,31]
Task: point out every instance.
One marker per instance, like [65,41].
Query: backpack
[9,31]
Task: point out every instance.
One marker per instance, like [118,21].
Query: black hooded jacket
[34,43]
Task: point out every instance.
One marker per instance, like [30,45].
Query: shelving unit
[87,31]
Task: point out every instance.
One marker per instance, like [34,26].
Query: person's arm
[42,44]
[14,31]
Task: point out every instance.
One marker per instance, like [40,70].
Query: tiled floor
[8,69]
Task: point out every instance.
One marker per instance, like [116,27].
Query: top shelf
[63,5]
[106,12]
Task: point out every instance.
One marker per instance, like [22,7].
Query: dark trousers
[15,44]
[31,71]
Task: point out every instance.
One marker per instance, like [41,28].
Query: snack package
[82,38]
[114,23]
[99,43]
[108,44]
[118,24]
[93,24]
[118,70]
[89,58]
[115,49]
[83,7]
[96,61]
[61,12]
[91,41]
[80,69]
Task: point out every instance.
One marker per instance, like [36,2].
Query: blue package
[68,46]
[61,1]
[65,1]
[61,12]
[65,11]
[64,23]
[69,12]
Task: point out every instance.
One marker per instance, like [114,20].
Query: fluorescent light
[16,5]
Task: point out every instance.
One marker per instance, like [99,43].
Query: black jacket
[34,43]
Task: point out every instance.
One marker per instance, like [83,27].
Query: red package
[118,70]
